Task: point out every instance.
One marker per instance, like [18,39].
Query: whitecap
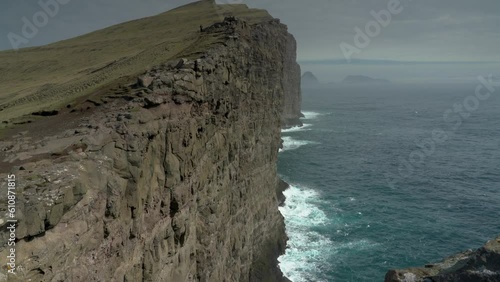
[307,249]
[291,144]
[357,245]
[297,128]
[310,115]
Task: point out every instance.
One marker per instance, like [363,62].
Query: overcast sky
[427,30]
[421,30]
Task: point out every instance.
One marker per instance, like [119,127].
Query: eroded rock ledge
[173,179]
[481,265]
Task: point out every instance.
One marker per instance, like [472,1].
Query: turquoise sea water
[346,221]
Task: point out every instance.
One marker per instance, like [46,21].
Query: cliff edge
[165,175]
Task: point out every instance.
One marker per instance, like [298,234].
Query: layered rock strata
[173,178]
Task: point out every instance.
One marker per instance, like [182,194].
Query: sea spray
[307,249]
[304,127]
[291,144]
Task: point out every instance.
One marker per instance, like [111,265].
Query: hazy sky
[419,30]
[428,30]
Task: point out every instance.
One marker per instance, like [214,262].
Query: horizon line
[387,62]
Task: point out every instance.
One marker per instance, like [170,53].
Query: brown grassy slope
[52,76]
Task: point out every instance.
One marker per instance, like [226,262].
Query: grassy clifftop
[50,77]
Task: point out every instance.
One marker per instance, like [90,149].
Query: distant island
[309,80]
[362,79]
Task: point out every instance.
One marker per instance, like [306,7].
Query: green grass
[52,76]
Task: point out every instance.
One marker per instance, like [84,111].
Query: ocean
[389,176]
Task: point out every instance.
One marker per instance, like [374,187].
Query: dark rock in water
[309,80]
[282,186]
[482,264]
[361,79]
[292,122]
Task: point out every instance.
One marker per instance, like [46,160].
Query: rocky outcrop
[309,80]
[481,265]
[361,79]
[291,84]
[171,178]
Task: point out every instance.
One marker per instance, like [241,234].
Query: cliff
[291,84]
[482,264]
[169,176]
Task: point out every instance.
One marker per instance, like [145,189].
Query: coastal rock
[481,265]
[309,80]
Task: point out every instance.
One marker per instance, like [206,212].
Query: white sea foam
[310,115]
[307,249]
[297,128]
[291,144]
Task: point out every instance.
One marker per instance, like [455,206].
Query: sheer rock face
[293,99]
[173,180]
[469,266]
